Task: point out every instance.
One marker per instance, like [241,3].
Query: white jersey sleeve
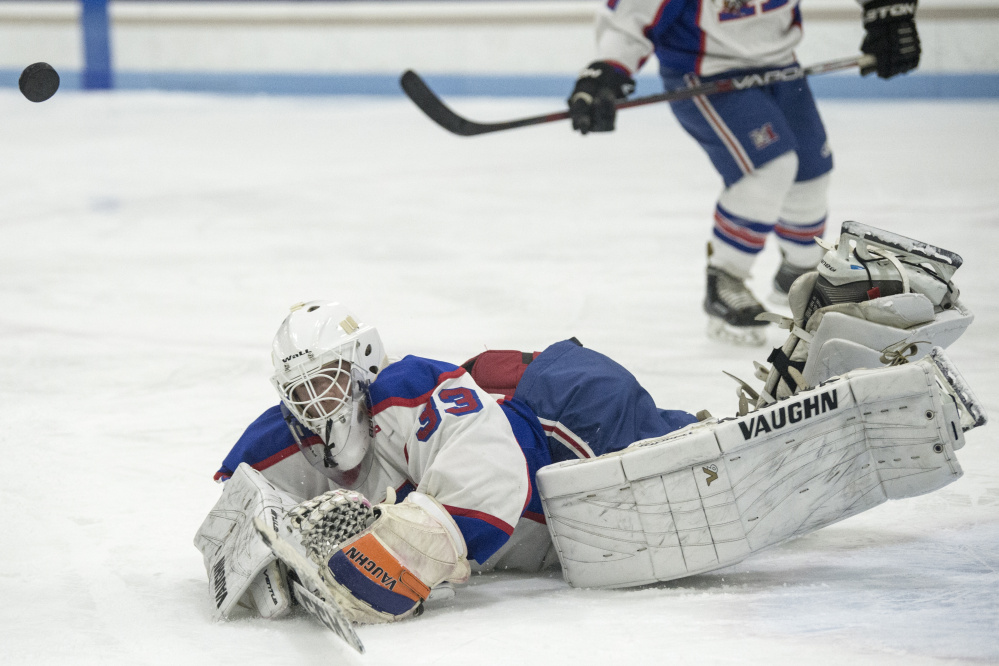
[621,34]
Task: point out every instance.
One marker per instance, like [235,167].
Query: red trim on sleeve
[530,488]
[619,67]
[704,36]
[478,515]
[276,458]
[647,30]
[396,401]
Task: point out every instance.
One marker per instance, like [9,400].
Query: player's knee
[779,173]
[760,194]
[807,200]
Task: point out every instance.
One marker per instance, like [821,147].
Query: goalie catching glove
[379,566]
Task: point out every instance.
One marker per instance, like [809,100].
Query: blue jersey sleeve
[265,442]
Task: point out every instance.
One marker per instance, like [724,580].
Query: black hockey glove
[891,36]
[591,104]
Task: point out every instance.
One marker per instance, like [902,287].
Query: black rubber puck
[38,82]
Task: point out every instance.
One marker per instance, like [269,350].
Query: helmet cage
[318,396]
[324,362]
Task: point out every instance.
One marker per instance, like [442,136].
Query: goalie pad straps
[782,364]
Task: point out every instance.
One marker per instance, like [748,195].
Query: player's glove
[891,37]
[591,104]
[385,571]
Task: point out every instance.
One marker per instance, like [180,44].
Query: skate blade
[742,336]
[968,406]
[944,262]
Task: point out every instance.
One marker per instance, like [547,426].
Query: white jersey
[436,431]
[703,37]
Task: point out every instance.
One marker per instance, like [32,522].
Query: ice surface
[151,243]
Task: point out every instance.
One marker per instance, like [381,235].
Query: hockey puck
[38,82]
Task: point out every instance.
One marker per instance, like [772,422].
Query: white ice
[151,243]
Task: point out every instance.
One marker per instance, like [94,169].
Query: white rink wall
[191,43]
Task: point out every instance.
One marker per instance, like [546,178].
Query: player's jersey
[435,431]
[704,37]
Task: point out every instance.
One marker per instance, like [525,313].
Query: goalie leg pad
[716,492]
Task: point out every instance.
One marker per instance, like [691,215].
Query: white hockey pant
[716,492]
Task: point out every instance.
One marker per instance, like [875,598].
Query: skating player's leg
[802,219]
[754,149]
[803,215]
[746,213]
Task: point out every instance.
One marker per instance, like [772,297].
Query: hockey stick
[324,610]
[418,91]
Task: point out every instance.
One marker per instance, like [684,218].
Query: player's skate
[732,310]
[876,299]
[716,492]
[785,276]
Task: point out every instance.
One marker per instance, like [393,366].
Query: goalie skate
[716,492]
[868,263]
[876,299]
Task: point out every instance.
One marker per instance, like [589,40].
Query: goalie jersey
[704,37]
[434,430]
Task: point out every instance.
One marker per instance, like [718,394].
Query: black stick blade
[418,91]
[433,107]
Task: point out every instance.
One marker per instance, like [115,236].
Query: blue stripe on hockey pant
[594,397]
[766,122]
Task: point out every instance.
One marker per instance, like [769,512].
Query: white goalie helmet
[324,360]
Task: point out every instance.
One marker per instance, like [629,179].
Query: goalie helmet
[324,361]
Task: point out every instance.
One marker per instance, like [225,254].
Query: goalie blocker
[716,492]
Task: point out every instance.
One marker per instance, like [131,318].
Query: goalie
[386,478]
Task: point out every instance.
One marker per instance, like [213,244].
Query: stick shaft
[428,102]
